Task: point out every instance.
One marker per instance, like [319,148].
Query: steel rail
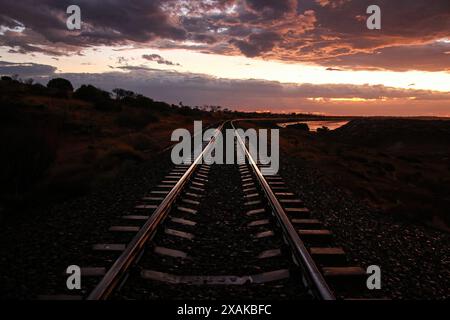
[118,270]
[313,277]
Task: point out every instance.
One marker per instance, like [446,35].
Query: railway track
[221,231]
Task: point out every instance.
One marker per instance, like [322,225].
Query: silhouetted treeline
[102,100]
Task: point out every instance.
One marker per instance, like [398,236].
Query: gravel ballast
[223,245]
[414,259]
[36,250]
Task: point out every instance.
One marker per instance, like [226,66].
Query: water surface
[316,124]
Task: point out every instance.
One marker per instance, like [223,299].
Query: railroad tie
[160,192]
[170,252]
[193,195]
[307,223]
[290,201]
[189,201]
[60,297]
[331,257]
[173,182]
[264,234]
[284,194]
[129,229]
[173,176]
[255,212]
[146,206]
[271,253]
[184,222]
[153,199]
[180,234]
[93,271]
[109,247]
[265,277]
[196,189]
[320,236]
[187,210]
[165,186]
[345,278]
[252,203]
[258,223]
[136,217]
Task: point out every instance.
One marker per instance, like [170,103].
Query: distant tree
[91,93]
[60,84]
[299,126]
[39,89]
[29,81]
[100,98]
[122,93]
[6,78]
[323,130]
[214,108]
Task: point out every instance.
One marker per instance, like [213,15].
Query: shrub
[101,99]
[140,142]
[136,120]
[299,126]
[27,153]
[39,89]
[323,130]
[60,87]
[122,93]
[116,156]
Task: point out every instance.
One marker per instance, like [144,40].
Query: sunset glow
[321,53]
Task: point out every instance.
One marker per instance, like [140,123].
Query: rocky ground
[414,259]
[35,252]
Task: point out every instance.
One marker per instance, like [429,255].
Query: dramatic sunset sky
[312,56]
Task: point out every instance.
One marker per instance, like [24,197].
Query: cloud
[107,22]
[26,69]
[431,57]
[332,3]
[159,60]
[251,95]
[324,32]
[256,44]
[273,8]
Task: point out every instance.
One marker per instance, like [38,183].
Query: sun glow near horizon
[107,59]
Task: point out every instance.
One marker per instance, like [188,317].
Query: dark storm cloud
[172,85]
[272,8]
[25,69]
[105,22]
[432,57]
[257,44]
[159,60]
[332,33]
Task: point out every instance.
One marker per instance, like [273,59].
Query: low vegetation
[58,142]
[399,166]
